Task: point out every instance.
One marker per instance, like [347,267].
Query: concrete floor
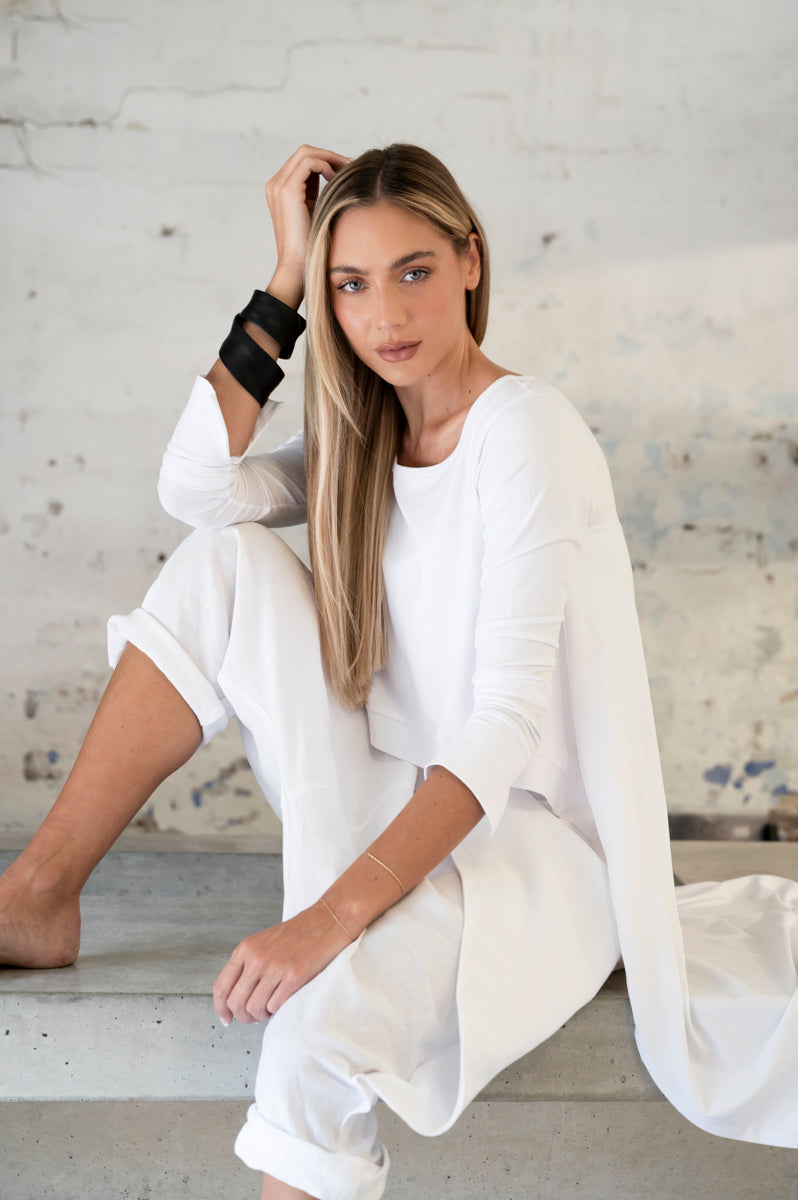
[496,1151]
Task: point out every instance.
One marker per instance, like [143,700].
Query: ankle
[52,884]
[49,879]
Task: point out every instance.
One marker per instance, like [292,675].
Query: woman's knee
[212,558]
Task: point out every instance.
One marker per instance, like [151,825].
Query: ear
[473,262]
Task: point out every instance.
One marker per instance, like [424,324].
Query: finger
[259,1006]
[291,981]
[225,982]
[319,166]
[319,152]
[241,995]
[310,160]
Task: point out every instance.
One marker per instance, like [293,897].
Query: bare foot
[38,928]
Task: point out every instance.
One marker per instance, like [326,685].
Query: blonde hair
[353,420]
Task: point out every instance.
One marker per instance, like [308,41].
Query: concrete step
[140,991]
[555,1150]
[139,995]
[163,864]
[152,1089]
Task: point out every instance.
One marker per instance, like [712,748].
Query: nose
[390,310]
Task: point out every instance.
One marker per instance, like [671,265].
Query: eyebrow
[400,262]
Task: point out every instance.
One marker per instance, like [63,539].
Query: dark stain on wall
[218,785]
[40,764]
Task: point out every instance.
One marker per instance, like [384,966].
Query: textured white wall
[637,168]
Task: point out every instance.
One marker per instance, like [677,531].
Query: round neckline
[397,466]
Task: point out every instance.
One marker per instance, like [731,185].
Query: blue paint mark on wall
[196,797]
[52,756]
[713,399]
[783,789]
[756,768]
[721,774]
[774,404]
[626,345]
[654,452]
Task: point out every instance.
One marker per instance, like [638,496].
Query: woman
[451,716]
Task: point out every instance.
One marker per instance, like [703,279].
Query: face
[398,291]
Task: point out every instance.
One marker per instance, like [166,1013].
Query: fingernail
[225,1023]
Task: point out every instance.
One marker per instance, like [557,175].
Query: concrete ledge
[133,1018]
[134,841]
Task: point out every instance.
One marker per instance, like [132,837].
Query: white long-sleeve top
[479,554]
[516,661]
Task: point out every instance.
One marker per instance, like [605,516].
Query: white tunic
[515,660]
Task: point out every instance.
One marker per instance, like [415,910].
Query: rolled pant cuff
[308,1167]
[142,630]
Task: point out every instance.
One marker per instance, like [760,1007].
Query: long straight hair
[353,419]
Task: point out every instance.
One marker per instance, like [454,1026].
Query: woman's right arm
[206,478]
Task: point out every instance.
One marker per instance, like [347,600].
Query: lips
[397,351]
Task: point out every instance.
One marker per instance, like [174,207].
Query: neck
[433,403]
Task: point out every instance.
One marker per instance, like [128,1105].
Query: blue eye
[419,272]
[352,286]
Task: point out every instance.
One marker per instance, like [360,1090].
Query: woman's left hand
[268,967]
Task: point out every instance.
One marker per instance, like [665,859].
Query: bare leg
[143,730]
[274,1189]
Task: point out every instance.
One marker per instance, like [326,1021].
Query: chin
[400,374]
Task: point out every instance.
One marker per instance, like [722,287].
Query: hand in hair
[291,195]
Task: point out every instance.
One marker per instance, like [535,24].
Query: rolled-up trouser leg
[232,622]
[377,1022]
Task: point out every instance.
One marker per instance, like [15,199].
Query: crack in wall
[57,16]
[108,122]
[22,140]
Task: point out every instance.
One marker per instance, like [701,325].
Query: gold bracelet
[388,869]
[332,914]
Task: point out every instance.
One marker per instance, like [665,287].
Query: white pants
[231,621]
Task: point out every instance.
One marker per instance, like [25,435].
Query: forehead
[374,234]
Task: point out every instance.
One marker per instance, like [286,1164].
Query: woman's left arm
[268,967]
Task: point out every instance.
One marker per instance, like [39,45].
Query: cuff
[142,630]
[487,759]
[308,1167]
[201,434]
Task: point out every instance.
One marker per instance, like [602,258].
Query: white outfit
[515,660]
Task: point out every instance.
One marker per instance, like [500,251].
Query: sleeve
[202,484]
[536,479]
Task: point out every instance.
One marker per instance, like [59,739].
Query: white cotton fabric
[231,620]
[382,1010]
[516,661]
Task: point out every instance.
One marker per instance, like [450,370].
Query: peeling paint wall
[637,169]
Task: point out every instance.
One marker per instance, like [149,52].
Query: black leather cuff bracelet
[279,320]
[249,363]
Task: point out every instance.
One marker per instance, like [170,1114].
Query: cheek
[345,318]
[443,305]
